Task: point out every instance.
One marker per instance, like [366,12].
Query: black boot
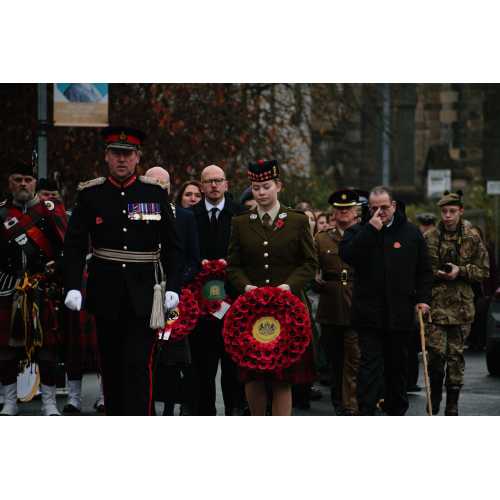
[452,394]
[436,395]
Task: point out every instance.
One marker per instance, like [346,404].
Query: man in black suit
[131,229]
[213,217]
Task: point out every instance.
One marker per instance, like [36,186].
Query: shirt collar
[219,206]
[122,185]
[390,223]
[272,213]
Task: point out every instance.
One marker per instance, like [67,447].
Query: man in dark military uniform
[459,259]
[134,244]
[31,241]
[338,338]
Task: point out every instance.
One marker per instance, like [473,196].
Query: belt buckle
[343,277]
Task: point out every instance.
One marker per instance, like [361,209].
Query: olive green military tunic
[282,253]
[336,292]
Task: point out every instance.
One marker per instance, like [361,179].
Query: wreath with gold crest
[267,329]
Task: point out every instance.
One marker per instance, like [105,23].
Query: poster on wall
[80,104]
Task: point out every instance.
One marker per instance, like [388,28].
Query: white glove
[73,300]
[284,287]
[249,287]
[171,300]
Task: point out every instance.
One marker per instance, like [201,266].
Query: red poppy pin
[279,224]
[98,220]
[397,244]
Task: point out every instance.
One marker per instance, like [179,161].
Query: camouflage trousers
[445,347]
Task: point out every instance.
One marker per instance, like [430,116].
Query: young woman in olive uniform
[266,252]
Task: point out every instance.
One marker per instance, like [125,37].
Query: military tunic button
[265,243]
[266,255]
[125,247]
[266,266]
[267,281]
[124,211]
[124,265]
[124,229]
[122,193]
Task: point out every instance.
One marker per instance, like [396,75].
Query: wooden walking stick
[424,358]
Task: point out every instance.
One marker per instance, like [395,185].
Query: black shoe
[69,409]
[185,410]
[168,409]
[414,388]
[315,394]
[99,407]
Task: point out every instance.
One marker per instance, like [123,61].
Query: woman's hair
[180,193]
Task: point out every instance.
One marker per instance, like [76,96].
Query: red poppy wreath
[183,323]
[267,329]
[208,286]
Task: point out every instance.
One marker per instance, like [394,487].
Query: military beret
[22,169]
[426,219]
[451,199]
[263,171]
[123,138]
[344,198]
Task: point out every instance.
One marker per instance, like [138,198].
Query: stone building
[397,132]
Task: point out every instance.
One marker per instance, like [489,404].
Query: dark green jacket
[262,256]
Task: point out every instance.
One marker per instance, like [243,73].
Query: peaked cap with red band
[123,138]
[263,171]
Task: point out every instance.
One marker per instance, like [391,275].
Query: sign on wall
[438,181]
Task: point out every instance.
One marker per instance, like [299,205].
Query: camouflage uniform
[452,307]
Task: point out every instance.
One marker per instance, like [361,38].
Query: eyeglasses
[383,208]
[213,181]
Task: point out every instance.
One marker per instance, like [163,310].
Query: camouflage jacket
[453,301]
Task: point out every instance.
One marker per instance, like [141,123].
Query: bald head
[160,174]
[214,184]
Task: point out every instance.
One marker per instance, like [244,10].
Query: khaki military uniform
[452,306]
[274,255]
[338,339]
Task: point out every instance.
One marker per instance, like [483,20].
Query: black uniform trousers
[126,355]
[207,348]
[383,370]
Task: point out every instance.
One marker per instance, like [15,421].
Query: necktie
[213,216]
[266,220]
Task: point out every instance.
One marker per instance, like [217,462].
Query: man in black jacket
[393,279]
[213,218]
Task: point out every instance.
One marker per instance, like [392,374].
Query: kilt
[301,372]
[49,317]
[5,314]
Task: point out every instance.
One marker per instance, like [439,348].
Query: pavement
[480,395]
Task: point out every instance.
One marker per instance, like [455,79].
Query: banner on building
[81,104]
